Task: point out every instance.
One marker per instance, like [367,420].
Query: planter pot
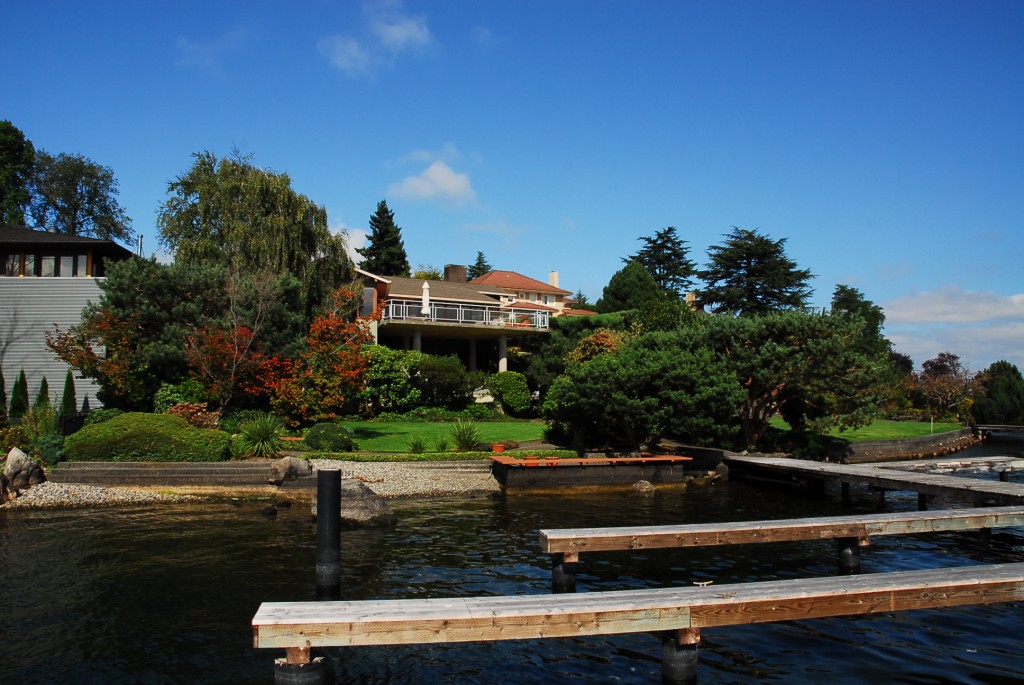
[497,447]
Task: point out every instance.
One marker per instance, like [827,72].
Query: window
[12,265]
[48,266]
[546,299]
[82,266]
[30,265]
[67,266]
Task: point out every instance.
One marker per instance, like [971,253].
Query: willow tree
[232,212]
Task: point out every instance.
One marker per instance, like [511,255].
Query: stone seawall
[909,448]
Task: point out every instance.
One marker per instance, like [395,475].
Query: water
[166,594]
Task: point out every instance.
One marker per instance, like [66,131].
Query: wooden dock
[981,492]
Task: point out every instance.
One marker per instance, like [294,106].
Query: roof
[578,312]
[510,280]
[440,290]
[533,306]
[23,235]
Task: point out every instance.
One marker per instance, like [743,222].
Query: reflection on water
[166,594]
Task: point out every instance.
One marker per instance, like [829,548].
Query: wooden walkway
[298,626]
[980,491]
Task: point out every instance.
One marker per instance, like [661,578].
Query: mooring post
[1004,476]
[922,501]
[328,534]
[563,571]
[679,656]
[849,555]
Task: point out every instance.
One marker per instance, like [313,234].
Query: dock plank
[290,625]
[620,538]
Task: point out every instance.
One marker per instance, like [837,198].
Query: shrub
[475,412]
[50,448]
[232,423]
[40,421]
[442,444]
[146,437]
[417,445]
[260,437]
[14,436]
[465,436]
[101,415]
[196,414]
[510,392]
[330,437]
[171,394]
[442,381]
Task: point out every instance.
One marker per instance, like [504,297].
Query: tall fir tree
[19,396]
[384,253]
[43,396]
[664,255]
[479,267]
[68,400]
[750,274]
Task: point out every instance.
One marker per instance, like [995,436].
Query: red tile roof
[512,281]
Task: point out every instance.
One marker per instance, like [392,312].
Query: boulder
[288,469]
[642,487]
[22,471]
[361,507]
[6,494]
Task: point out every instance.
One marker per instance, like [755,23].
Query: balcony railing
[472,314]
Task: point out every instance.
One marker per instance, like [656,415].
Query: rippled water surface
[166,594]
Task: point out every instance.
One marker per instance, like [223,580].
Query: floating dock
[537,475]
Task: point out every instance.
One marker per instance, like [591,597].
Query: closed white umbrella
[425,311]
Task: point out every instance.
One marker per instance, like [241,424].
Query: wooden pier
[980,492]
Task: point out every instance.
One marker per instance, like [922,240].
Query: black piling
[679,656]
[328,534]
[317,672]
[849,555]
[563,573]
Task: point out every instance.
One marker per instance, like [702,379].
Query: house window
[82,266]
[546,299]
[30,265]
[533,297]
[522,296]
[12,265]
[67,266]
[48,266]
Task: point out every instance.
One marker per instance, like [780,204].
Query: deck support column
[417,341]
[502,353]
[679,656]
[328,534]
[849,555]
[563,571]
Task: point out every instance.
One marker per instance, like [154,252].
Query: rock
[361,507]
[6,494]
[22,471]
[288,469]
[642,487]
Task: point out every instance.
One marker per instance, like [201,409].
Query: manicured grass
[895,430]
[379,436]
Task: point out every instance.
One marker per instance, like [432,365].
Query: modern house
[48,278]
[474,320]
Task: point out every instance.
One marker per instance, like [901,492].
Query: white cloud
[437,182]
[387,34]
[355,238]
[345,53]
[209,54]
[980,326]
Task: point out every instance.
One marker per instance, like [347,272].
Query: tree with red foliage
[334,367]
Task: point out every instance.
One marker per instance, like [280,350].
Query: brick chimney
[454,273]
[553,279]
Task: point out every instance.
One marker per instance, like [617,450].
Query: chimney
[454,273]
[553,279]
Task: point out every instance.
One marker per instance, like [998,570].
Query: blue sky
[883,140]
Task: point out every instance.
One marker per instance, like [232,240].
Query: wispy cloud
[354,239]
[437,182]
[387,34]
[980,326]
[209,54]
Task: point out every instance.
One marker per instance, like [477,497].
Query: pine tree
[43,396]
[750,274]
[384,253]
[479,268]
[68,401]
[664,256]
[19,396]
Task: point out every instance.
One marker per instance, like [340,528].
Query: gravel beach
[387,479]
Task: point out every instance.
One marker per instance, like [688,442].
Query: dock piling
[849,555]
[679,656]
[563,572]
[328,534]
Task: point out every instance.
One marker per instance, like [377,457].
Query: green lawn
[374,436]
[895,430]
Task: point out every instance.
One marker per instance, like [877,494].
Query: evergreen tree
[629,288]
[17,155]
[19,396]
[664,256]
[68,401]
[479,268]
[1002,402]
[384,253]
[3,399]
[750,274]
[850,302]
[43,396]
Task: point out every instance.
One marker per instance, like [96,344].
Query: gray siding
[28,309]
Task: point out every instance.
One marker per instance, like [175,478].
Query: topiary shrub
[330,437]
[510,392]
[146,437]
[101,415]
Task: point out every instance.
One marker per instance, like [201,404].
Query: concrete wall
[28,309]
[909,448]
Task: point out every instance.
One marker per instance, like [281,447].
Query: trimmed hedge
[436,456]
[330,437]
[146,437]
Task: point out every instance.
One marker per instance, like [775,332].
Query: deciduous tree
[947,385]
[384,253]
[17,157]
[750,274]
[75,195]
[629,288]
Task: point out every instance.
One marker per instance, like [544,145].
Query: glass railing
[470,314]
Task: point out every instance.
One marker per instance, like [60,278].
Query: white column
[503,353]
[417,342]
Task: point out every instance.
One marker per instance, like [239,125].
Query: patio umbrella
[425,311]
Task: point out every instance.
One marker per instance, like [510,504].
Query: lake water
[166,594]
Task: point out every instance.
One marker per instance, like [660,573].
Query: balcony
[411,311]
